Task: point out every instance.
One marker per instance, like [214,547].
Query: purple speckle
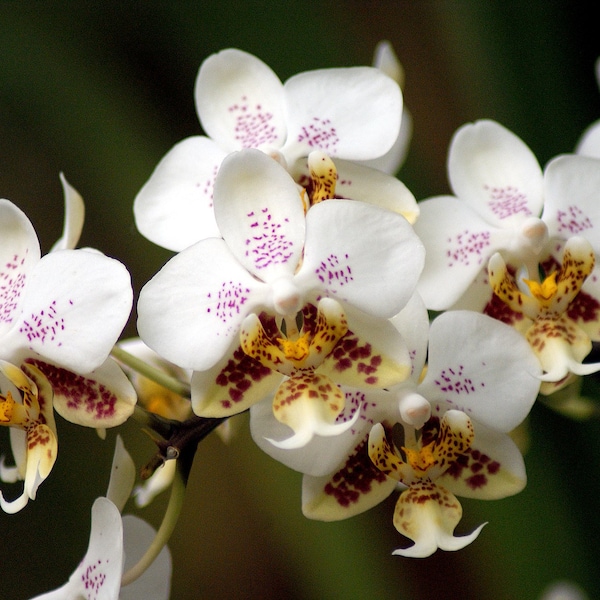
[507,201]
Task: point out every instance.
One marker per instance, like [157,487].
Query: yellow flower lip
[296,350]
[545,291]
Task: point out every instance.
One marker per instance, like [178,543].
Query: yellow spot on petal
[296,350]
[7,408]
[323,175]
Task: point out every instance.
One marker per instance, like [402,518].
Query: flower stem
[162,535]
[154,374]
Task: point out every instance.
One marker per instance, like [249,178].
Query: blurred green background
[101,91]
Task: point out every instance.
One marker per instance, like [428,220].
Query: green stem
[162,535]
[153,373]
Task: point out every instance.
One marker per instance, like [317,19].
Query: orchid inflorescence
[300,291]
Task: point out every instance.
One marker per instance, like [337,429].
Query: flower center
[545,291]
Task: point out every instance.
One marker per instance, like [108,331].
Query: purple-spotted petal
[491,469]
[458,245]
[572,205]
[98,576]
[74,217]
[76,305]
[192,309]
[495,173]
[239,101]
[373,264]
[353,488]
[482,367]
[102,398]
[19,253]
[352,113]
[260,214]
[232,385]
[174,209]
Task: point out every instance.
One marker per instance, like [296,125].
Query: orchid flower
[503,203]
[351,114]
[304,368]
[551,322]
[462,377]
[274,258]
[115,543]
[61,314]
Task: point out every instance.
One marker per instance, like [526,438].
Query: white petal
[76,306]
[19,253]
[482,367]
[260,214]
[98,576]
[413,324]
[572,204]
[589,144]
[458,245]
[359,182]
[122,476]
[373,263]
[174,209]
[394,158]
[495,173]
[74,217]
[155,582]
[239,101]
[352,113]
[190,311]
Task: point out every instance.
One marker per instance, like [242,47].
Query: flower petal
[309,404]
[98,576]
[377,278]
[76,305]
[572,205]
[359,182]
[482,367]
[102,398]
[322,455]
[74,217]
[458,245]
[356,486]
[260,214]
[122,476]
[174,209]
[491,469]
[352,113]
[239,101]
[427,514]
[155,582]
[232,385]
[589,143]
[191,310]
[495,173]
[19,253]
